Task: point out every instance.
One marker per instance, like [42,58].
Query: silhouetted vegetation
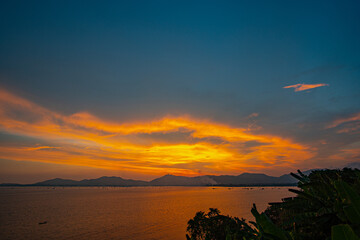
[326,206]
[213,225]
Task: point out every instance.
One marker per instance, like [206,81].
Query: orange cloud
[178,145]
[302,87]
[40,148]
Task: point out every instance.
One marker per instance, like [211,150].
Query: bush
[326,206]
[214,226]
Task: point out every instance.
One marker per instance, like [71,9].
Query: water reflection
[120,213]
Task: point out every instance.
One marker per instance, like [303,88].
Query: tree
[317,206]
[214,226]
[326,206]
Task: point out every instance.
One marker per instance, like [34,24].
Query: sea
[88,213]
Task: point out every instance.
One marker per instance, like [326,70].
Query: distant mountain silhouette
[244,179]
[102,181]
[57,182]
[112,181]
[353,165]
[171,180]
[253,179]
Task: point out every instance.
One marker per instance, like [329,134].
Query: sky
[139,89]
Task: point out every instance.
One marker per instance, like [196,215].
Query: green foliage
[267,229]
[326,206]
[343,232]
[214,226]
[350,200]
[318,202]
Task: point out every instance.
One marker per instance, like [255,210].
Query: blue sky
[126,61]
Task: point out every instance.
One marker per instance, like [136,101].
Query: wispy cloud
[349,124]
[253,115]
[302,87]
[40,148]
[143,146]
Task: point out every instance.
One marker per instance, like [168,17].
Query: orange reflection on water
[83,213]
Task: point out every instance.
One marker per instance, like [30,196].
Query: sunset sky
[139,89]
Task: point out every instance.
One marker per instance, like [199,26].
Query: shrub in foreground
[326,206]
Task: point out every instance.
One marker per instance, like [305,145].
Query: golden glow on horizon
[179,145]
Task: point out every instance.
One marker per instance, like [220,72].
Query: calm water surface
[120,213]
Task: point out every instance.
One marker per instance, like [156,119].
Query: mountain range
[244,179]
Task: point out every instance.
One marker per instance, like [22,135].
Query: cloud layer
[172,144]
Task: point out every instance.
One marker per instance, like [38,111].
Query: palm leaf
[343,232]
